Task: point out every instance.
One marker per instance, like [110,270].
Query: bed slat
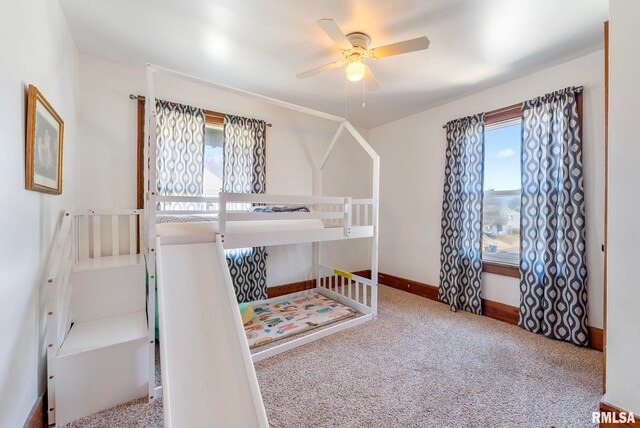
[364,294]
[84,237]
[115,236]
[132,234]
[97,244]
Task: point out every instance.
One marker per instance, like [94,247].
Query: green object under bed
[156,311]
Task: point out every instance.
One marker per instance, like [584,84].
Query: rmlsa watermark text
[613,418]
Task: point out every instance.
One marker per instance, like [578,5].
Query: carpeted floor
[417,365]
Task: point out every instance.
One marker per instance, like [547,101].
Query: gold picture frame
[43,146]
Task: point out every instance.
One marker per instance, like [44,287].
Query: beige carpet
[418,365]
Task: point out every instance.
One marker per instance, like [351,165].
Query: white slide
[208,378]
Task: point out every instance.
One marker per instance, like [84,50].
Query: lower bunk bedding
[288,316]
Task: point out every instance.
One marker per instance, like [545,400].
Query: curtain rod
[500,110]
[206,112]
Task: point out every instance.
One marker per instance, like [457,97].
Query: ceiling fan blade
[334,32]
[412,45]
[370,80]
[317,70]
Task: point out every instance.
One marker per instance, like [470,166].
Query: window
[214,163]
[501,212]
[213,159]
[213,156]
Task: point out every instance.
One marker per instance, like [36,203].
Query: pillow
[246,312]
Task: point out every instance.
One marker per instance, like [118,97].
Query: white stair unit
[97,323]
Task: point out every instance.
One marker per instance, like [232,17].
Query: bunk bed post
[150,212]
[222,214]
[374,240]
[347,216]
[375,190]
[318,192]
[316,251]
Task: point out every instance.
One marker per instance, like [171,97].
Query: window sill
[501,269]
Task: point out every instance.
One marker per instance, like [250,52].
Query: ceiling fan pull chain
[364,104]
[346,97]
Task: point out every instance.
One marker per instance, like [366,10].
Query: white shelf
[109,262]
[89,335]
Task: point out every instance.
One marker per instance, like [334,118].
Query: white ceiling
[260,45]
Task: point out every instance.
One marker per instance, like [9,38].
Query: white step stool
[104,359]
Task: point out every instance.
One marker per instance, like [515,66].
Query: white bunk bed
[216,220]
[331,219]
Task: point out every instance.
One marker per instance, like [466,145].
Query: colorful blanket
[283,318]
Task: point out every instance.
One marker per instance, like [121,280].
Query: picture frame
[43,145]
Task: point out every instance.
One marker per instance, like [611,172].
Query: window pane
[501,216]
[213,160]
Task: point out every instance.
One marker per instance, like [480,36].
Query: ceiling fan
[355,49]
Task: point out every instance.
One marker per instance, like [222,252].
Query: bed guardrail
[362,212]
[333,211]
[353,290]
[100,233]
[188,205]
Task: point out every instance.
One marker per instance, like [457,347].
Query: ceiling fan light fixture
[355,71]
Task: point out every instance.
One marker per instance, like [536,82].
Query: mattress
[287,316]
[200,225]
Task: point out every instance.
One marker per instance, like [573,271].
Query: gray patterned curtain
[180,152]
[553,272]
[244,172]
[244,155]
[460,254]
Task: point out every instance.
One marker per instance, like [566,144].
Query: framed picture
[45,131]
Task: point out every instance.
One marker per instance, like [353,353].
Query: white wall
[106,161]
[412,154]
[36,48]
[623,290]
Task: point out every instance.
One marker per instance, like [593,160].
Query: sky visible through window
[501,209]
[502,158]
[213,160]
